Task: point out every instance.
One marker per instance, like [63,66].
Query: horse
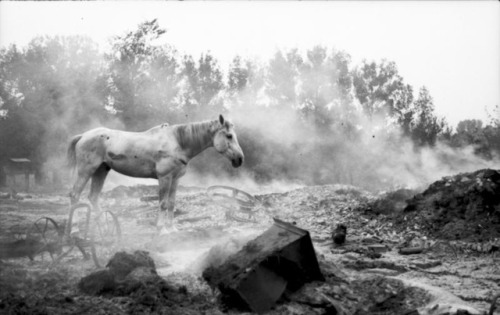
[162,152]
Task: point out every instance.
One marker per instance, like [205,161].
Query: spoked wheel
[106,237]
[76,231]
[45,235]
[240,206]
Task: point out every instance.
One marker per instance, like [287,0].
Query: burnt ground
[365,275]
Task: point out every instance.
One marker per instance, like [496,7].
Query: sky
[451,47]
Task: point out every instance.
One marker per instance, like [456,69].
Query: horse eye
[229,136]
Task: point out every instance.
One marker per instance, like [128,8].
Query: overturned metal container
[282,258]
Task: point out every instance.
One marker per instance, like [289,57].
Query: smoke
[283,145]
[57,137]
[243,181]
[409,167]
[321,137]
[379,158]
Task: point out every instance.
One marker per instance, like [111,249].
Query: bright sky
[451,47]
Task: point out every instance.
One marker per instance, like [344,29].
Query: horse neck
[197,137]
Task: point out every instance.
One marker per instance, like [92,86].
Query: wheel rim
[47,232]
[106,237]
[240,205]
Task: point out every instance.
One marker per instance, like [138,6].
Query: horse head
[226,142]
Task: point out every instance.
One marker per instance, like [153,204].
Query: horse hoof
[163,231]
[167,230]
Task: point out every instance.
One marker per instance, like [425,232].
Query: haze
[451,47]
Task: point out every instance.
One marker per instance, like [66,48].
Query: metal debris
[281,258]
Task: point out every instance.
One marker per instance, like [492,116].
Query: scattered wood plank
[411,250]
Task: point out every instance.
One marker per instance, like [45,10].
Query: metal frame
[98,238]
[237,202]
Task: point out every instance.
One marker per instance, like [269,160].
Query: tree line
[56,87]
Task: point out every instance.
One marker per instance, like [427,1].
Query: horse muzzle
[236,162]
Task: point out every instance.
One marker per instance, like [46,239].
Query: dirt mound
[125,272]
[389,203]
[122,263]
[134,276]
[461,207]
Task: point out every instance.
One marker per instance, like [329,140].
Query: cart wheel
[240,206]
[76,231]
[46,236]
[106,238]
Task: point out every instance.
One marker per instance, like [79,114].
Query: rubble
[134,276]
[389,203]
[461,207]
[339,234]
[358,274]
[381,295]
[122,263]
[97,282]
[21,248]
[119,267]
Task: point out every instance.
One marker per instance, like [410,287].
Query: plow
[97,236]
[240,206]
[81,233]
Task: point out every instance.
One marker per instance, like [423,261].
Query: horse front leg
[167,205]
[164,187]
[171,171]
[171,202]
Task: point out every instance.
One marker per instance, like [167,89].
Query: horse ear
[221,120]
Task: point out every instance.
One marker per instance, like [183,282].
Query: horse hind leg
[80,183]
[74,195]
[96,185]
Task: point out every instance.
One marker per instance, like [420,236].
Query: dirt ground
[365,275]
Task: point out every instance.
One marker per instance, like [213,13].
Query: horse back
[105,141]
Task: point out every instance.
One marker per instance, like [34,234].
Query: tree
[49,93]
[325,90]
[425,126]
[471,132]
[402,100]
[380,89]
[202,87]
[238,77]
[143,78]
[281,79]
[245,82]
[492,136]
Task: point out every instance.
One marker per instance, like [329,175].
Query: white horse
[162,152]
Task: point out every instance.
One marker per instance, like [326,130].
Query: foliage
[377,86]
[312,117]
[44,86]
[425,126]
[142,78]
[202,88]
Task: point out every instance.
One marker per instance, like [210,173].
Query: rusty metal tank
[280,259]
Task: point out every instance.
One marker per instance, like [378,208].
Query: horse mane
[196,136]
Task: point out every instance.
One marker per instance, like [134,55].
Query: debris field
[435,251]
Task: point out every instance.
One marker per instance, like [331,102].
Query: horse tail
[72,151]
